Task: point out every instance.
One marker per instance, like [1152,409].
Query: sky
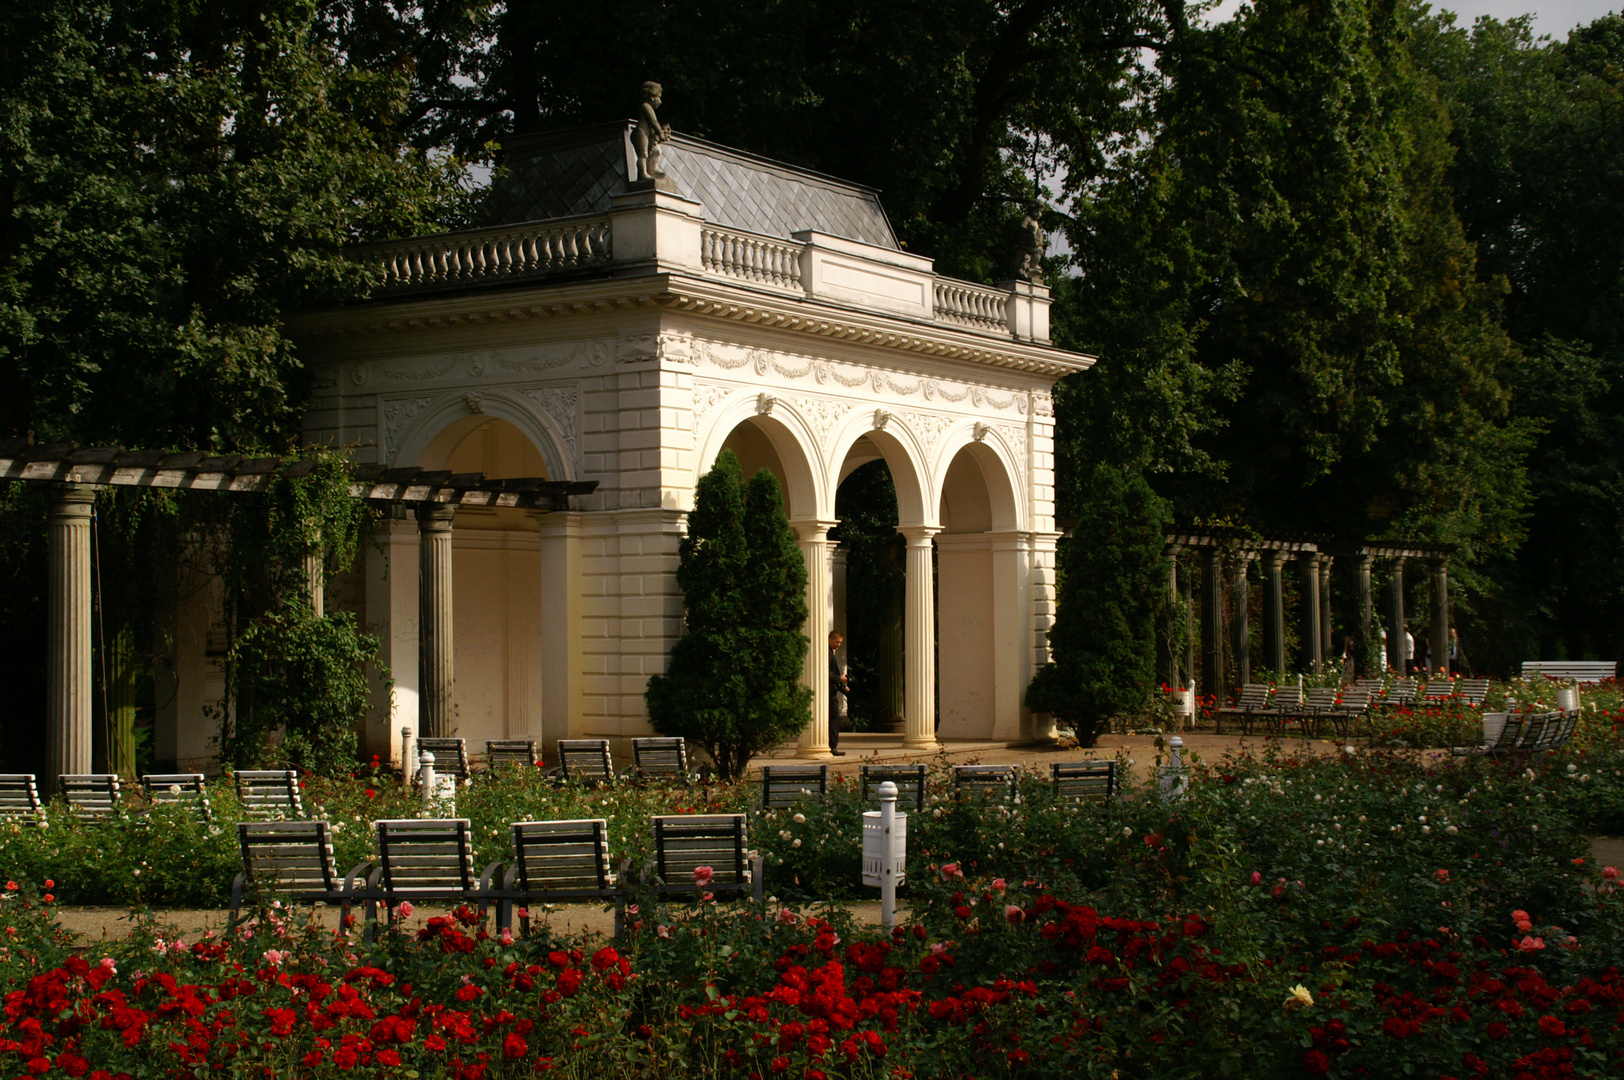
[1553,17]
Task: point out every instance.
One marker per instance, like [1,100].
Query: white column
[837,586]
[68,645]
[814,539]
[436,669]
[392,616]
[919,695]
[1012,658]
[561,629]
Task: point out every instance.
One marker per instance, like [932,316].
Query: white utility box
[874,849]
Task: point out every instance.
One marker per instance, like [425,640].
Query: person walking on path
[839,691]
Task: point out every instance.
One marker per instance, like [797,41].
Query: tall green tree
[732,684]
[174,179]
[1113,584]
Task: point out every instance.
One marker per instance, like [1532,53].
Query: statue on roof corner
[1032,247]
[646,140]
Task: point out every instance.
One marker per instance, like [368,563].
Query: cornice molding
[697,296]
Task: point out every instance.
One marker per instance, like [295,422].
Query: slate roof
[558,174]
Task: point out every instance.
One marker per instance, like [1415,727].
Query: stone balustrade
[479,256]
[964,303]
[750,257]
[660,232]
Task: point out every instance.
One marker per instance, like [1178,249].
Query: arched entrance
[496,603]
[980,575]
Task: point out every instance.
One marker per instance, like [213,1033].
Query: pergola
[75,472]
[1234,548]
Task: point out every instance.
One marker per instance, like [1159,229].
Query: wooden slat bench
[502,755]
[91,795]
[556,862]
[661,759]
[293,860]
[1084,781]
[1351,707]
[19,798]
[1473,692]
[179,789]
[785,785]
[1578,670]
[685,842]
[269,793]
[450,757]
[1252,699]
[584,761]
[426,859]
[987,781]
[909,779]
[1317,704]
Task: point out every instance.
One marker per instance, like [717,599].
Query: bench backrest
[425,855]
[1091,780]
[562,856]
[586,760]
[90,794]
[1473,691]
[1402,692]
[292,856]
[1289,696]
[19,796]
[684,842]
[666,759]
[997,781]
[1440,688]
[511,754]
[1582,670]
[1355,698]
[1320,698]
[909,779]
[178,789]
[450,756]
[269,793]
[786,785]
[1253,696]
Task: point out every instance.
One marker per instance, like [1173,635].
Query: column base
[921,744]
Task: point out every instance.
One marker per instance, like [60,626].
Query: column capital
[919,535]
[1274,558]
[812,530]
[435,517]
[72,500]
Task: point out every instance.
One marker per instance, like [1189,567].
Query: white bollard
[425,774]
[1174,779]
[405,760]
[885,840]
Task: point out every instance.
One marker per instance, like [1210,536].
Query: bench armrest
[497,873]
[366,873]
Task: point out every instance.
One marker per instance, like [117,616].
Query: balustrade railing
[750,257]
[967,304]
[531,249]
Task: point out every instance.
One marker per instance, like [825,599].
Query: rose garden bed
[1374,914]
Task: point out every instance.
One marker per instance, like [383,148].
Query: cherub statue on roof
[1032,246]
[649,135]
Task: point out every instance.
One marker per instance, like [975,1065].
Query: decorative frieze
[395,416]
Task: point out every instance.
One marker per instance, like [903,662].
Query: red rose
[514,1047]
[1316,1063]
[1550,1025]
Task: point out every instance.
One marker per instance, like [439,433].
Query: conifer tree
[1112,583]
[732,684]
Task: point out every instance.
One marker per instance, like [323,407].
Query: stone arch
[550,438]
[791,438]
[995,462]
[897,443]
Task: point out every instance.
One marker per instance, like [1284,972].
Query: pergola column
[1212,625]
[1367,618]
[813,536]
[919,687]
[1187,588]
[1240,631]
[1395,614]
[436,669]
[1308,653]
[315,573]
[1171,659]
[1440,616]
[1328,647]
[68,712]
[1274,611]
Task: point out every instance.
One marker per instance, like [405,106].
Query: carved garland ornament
[395,416]
[558,403]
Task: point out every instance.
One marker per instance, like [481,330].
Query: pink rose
[703,875]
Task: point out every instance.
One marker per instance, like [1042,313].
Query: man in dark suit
[838,688]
